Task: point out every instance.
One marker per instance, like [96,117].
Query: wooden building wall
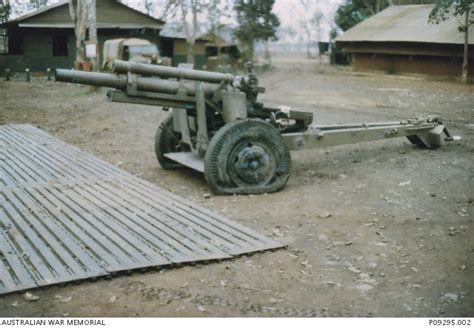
[180,53]
[400,64]
[428,59]
[37,45]
[36,42]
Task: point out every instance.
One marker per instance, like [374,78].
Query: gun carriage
[218,127]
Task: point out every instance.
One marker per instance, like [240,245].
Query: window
[60,47]
[3,41]
[15,41]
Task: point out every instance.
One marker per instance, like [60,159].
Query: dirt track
[379,229]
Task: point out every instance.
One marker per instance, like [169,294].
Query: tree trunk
[308,44]
[190,35]
[78,13]
[465,62]
[190,53]
[191,42]
[93,33]
[318,29]
[251,50]
[248,50]
[216,29]
[219,55]
[267,52]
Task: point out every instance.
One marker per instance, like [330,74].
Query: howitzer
[218,127]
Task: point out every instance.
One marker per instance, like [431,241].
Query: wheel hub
[252,164]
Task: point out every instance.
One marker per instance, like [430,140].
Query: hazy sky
[292,12]
[285,9]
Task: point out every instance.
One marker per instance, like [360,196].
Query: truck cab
[133,49]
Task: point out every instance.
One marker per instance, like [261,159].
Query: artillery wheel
[167,141]
[247,157]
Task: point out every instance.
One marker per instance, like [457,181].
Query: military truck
[132,49]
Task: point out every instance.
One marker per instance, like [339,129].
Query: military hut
[45,38]
[400,39]
[222,47]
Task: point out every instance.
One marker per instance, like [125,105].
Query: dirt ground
[377,229]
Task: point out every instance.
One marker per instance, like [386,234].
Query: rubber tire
[165,142]
[216,161]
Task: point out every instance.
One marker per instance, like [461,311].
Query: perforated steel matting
[66,215]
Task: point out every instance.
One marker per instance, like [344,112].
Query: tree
[149,8]
[310,18]
[183,9]
[192,29]
[79,15]
[217,10]
[305,22]
[355,11]
[316,21]
[256,22]
[269,23]
[463,11]
[5,10]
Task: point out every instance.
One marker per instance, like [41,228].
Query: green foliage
[256,22]
[355,11]
[5,10]
[445,9]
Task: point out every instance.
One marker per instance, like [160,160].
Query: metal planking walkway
[66,215]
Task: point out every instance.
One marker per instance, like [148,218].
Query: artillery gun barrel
[121,82]
[91,78]
[121,66]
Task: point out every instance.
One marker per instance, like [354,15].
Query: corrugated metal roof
[176,31]
[406,24]
[224,38]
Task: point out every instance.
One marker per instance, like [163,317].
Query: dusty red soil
[378,229]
